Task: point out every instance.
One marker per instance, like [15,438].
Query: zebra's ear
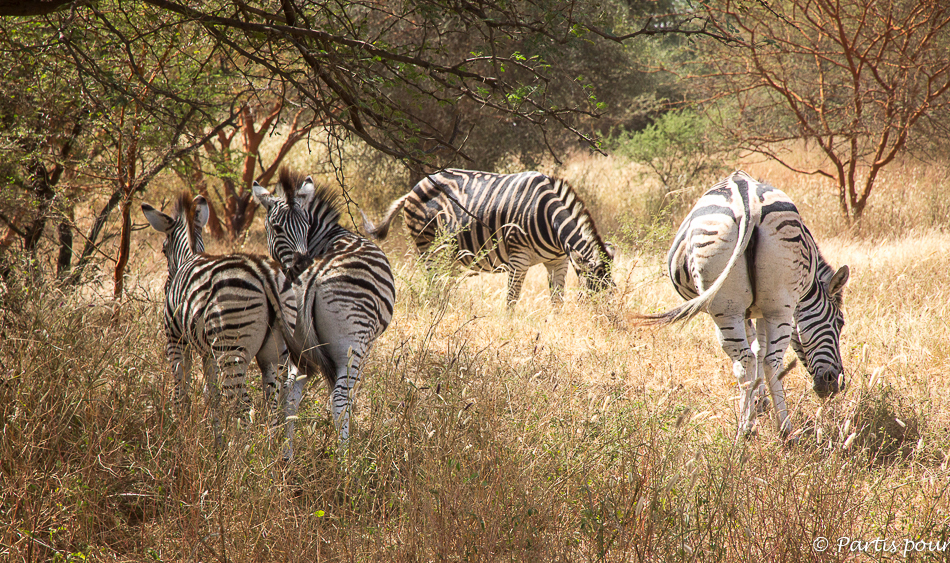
[158,220]
[202,212]
[611,250]
[262,196]
[306,190]
[836,284]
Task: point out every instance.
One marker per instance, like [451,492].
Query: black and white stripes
[228,308]
[344,286]
[744,253]
[506,222]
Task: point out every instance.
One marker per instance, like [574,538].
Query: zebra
[228,308]
[344,286]
[506,223]
[743,253]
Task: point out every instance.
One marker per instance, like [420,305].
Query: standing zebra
[344,287]
[506,222]
[228,308]
[743,253]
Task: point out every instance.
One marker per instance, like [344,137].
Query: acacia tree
[373,70]
[93,115]
[237,167]
[857,78]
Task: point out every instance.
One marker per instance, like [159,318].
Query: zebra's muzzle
[828,383]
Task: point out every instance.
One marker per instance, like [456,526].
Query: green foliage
[683,151]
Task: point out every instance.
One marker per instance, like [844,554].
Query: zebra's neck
[325,225]
[573,225]
[322,236]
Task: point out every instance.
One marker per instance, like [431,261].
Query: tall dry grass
[486,436]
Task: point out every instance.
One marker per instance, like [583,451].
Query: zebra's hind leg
[179,358]
[270,360]
[231,363]
[342,397]
[293,393]
[734,341]
[760,398]
[212,395]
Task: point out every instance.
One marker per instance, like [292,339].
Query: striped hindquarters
[220,303]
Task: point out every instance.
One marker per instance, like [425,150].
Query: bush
[682,151]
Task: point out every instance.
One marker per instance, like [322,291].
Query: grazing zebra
[228,308]
[344,285]
[744,253]
[506,222]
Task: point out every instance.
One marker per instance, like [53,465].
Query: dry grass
[484,436]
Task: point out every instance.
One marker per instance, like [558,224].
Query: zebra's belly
[501,255]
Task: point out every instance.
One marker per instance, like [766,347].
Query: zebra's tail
[691,308]
[380,232]
[310,360]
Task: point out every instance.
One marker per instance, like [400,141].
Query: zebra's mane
[325,203]
[577,208]
[185,211]
[288,183]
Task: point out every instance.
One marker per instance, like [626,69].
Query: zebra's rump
[355,278]
[778,245]
[223,299]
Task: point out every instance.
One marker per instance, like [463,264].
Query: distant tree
[856,79]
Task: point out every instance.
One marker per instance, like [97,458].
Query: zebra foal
[227,308]
[743,253]
[506,222]
[344,287]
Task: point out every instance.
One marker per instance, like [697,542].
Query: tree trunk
[125,238]
[65,258]
[92,239]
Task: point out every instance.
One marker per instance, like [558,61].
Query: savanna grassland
[485,436]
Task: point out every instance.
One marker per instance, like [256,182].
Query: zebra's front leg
[557,272]
[734,342]
[774,336]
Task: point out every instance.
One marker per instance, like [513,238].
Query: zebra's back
[354,281]
[223,300]
[492,216]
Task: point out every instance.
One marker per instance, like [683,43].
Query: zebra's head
[819,320]
[595,271]
[181,243]
[288,216]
